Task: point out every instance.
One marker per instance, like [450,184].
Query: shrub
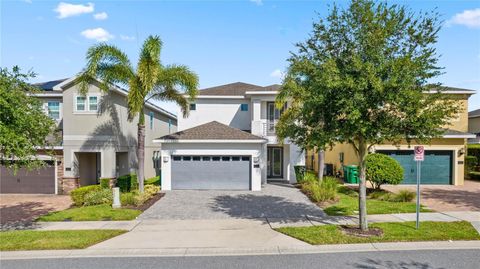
[309,176]
[474,175]
[404,196]
[151,190]
[127,183]
[105,183]
[470,163]
[153,181]
[78,195]
[321,192]
[383,169]
[299,172]
[100,197]
[127,198]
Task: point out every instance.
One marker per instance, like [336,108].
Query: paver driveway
[274,201]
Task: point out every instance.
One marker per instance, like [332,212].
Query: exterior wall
[107,131]
[226,111]
[350,158]
[251,149]
[460,122]
[474,125]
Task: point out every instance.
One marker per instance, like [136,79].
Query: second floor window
[193,106]
[244,107]
[92,103]
[81,100]
[54,110]
[150,114]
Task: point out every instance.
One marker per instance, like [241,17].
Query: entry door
[275,162]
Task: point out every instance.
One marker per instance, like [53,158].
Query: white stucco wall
[226,111]
[249,149]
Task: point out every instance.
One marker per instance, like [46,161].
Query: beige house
[97,140]
[474,126]
[444,156]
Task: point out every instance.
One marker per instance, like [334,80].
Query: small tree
[382,169]
[362,78]
[24,126]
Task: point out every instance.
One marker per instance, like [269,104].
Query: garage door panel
[211,172]
[34,181]
[435,169]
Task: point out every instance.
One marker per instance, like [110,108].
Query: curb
[186,252]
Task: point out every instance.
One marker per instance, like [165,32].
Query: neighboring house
[97,140]
[444,156]
[228,141]
[474,126]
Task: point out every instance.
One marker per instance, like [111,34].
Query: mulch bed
[356,231]
[148,203]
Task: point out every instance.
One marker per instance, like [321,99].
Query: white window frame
[59,109]
[87,104]
[151,120]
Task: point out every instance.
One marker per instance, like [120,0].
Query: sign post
[419,157]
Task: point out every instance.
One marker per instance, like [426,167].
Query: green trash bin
[350,174]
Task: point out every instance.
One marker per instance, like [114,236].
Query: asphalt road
[419,259]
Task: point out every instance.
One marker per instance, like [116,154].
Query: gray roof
[455,89]
[474,113]
[48,85]
[455,132]
[211,131]
[237,88]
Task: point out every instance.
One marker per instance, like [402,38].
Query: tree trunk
[321,164]
[362,190]
[141,155]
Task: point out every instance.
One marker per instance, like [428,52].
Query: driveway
[24,208]
[447,197]
[274,201]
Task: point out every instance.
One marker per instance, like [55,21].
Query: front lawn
[37,240]
[392,232]
[91,213]
[348,205]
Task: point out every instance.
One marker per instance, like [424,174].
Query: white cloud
[257,2]
[127,38]
[277,73]
[66,10]
[98,34]
[27,1]
[469,18]
[100,16]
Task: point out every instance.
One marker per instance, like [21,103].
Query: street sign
[419,153]
[419,157]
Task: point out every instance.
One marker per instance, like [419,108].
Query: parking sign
[419,153]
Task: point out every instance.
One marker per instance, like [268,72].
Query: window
[169,125]
[53,110]
[193,106]
[244,107]
[226,159]
[92,103]
[196,158]
[150,114]
[235,158]
[187,158]
[216,158]
[81,103]
[245,158]
[177,158]
[206,158]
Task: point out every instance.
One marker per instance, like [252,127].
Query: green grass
[36,240]
[393,232]
[153,181]
[90,213]
[348,204]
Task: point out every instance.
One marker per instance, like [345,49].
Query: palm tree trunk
[362,190]
[321,164]
[141,152]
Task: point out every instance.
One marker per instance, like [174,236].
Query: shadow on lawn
[21,216]
[376,263]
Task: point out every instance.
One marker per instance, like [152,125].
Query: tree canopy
[24,126]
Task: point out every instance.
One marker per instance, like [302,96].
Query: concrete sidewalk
[279,250]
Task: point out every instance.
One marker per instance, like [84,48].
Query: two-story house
[228,141]
[444,156]
[96,139]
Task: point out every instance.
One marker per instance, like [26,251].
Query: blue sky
[222,41]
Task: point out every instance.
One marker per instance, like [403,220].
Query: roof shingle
[211,131]
[237,88]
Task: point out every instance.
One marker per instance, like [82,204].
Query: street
[424,259]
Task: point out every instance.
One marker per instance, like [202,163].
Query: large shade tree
[24,126]
[362,77]
[150,80]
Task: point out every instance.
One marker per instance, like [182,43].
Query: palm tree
[149,81]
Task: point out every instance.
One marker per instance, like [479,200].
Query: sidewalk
[280,250]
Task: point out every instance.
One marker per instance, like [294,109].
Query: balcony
[264,128]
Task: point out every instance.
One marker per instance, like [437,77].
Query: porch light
[461,152]
[165,159]
[255,159]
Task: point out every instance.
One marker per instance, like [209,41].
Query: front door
[275,162]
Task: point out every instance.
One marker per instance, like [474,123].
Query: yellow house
[444,156]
